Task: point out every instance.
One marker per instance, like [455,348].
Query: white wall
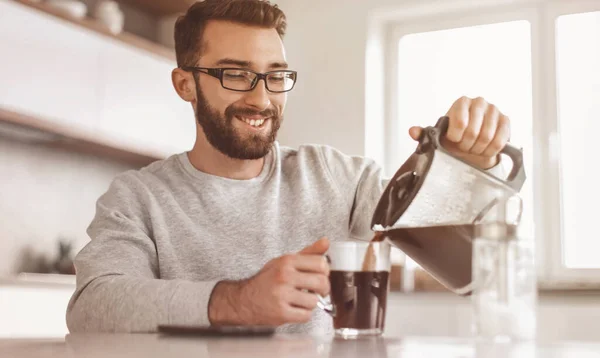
[327,40]
[46,194]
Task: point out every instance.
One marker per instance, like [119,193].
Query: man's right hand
[279,293]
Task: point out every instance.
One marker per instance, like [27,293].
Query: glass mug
[359,278]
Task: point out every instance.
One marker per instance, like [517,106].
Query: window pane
[578,75]
[493,61]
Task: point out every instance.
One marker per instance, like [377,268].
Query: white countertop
[153,345]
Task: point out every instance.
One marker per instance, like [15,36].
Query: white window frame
[556,274]
[392,24]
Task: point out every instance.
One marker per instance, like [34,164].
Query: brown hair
[189,27]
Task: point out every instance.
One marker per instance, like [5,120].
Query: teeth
[254,122]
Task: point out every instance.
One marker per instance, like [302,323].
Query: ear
[184,84]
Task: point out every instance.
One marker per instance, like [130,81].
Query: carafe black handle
[516,177]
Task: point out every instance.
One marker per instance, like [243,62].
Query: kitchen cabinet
[48,68]
[139,104]
[88,85]
[161,8]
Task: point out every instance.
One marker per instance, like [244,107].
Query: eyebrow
[248,64]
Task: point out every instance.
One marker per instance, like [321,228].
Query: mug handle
[326,305]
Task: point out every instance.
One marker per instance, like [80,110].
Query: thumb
[319,247]
[415,132]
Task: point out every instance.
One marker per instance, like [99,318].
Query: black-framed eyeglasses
[242,80]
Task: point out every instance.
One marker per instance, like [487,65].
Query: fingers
[487,131]
[304,300]
[474,122]
[311,282]
[459,119]
[500,138]
[320,247]
[307,263]
[477,127]
[297,314]
[415,132]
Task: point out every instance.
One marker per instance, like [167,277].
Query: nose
[258,97]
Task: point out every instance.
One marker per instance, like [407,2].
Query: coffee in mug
[359,278]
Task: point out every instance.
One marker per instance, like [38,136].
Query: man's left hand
[477,132]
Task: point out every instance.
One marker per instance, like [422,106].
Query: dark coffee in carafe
[444,249]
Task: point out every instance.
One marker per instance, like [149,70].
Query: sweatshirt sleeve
[118,284]
[360,180]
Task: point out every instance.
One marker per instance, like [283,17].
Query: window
[578,79]
[539,63]
[494,62]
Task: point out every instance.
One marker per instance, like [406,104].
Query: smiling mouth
[255,123]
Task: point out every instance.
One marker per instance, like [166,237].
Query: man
[228,233]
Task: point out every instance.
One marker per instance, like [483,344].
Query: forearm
[119,303]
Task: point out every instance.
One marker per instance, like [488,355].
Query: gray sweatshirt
[163,236]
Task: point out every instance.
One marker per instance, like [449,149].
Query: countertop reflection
[155,345]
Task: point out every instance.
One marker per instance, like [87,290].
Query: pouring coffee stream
[433,204]
[370,260]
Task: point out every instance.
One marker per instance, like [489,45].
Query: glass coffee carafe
[431,207]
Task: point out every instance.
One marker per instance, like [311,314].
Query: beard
[227,139]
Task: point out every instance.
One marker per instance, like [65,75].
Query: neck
[208,159]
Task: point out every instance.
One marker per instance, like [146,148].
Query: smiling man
[232,232]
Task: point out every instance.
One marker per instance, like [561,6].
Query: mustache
[242,112]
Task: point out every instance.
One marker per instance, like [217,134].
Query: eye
[235,75]
[278,77]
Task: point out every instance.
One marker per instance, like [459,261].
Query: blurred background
[85,93]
